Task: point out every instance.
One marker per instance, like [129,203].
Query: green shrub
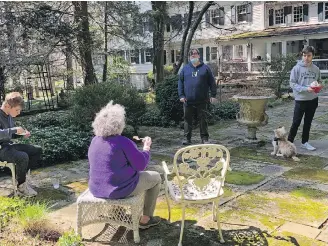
[167,99]
[60,144]
[90,99]
[223,111]
[54,118]
[70,238]
[153,117]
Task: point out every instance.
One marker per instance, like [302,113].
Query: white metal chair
[120,212]
[199,184]
[12,167]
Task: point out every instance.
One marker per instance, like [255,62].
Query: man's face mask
[194,60]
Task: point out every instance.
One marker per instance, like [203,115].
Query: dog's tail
[295,158]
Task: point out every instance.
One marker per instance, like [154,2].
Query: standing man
[195,81]
[306,100]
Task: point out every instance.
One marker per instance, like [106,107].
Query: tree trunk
[185,33]
[84,40]
[106,44]
[159,9]
[69,66]
[192,32]
[2,83]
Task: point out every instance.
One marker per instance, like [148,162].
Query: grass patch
[308,193]
[176,211]
[9,208]
[257,155]
[278,238]
[78,187]
[33,216]
[70,238]
[49,195]
[159,158]
[295,207]
[243,178]
[307,174]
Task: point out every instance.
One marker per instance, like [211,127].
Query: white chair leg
[13,175]
[182,224]
[214,212]
[219,225]
[136,236]
[168,203]
[78,220]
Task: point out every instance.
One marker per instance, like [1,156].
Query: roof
[278,31]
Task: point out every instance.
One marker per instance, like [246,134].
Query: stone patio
[287,205]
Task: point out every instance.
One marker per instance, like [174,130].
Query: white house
[240,36]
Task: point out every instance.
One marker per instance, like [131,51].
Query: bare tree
[159,13]
[84,40]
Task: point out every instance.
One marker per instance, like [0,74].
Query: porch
[248,53]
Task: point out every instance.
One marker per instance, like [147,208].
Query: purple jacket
[115,162]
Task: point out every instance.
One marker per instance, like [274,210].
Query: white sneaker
[308,146]
[26,190]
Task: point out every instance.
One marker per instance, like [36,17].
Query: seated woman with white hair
[116,164]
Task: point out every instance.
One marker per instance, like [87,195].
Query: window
[172,56]
[239,51]
[176,22]
[242,13]
[148,55]
[145,25]
[214,54]
[326,11]
[217,16]
[227,52]
[279,16]
[177,55]
[168,27]
[298,14]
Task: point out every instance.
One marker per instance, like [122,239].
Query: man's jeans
[25,156]
[306,108]
[200,111]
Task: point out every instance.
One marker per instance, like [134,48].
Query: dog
[283,147]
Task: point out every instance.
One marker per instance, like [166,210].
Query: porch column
[283,48]
[220,60]
[268,51]
[249,56]
[139,52]
[125,58]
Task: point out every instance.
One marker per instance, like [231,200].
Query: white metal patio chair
[197,177]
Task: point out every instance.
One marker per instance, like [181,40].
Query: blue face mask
[194,60]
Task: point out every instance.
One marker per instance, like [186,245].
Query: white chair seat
[191,192]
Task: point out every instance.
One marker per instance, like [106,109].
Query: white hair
[109,121]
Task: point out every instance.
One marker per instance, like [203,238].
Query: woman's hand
[147,143]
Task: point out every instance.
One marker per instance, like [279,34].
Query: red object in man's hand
[317,89]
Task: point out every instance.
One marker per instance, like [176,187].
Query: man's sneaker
[186,142]
[26,190]
[308,146]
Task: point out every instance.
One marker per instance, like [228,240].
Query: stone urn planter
[252,113]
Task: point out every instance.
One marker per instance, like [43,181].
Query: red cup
[317,89]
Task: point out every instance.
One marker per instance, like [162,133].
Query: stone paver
[323,236]
[299,229]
